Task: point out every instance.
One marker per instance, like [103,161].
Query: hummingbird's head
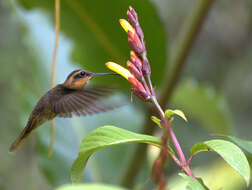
[79,78]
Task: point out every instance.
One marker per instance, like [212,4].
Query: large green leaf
[89,187]
[194,184]
[97,36]
[231,153]
[203,103]
[103,137]
[245,144]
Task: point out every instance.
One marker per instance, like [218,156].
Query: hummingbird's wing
[81,102]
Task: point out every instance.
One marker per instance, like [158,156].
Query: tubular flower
[133,19]
[137,86]
[119,69]
[141,94]
[135,43]
[134,70]
[127,26]
[136,60]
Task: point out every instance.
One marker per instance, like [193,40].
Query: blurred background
[214,91]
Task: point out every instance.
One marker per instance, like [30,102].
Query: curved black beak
[97,74]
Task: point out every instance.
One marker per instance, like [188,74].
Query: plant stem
[56,44]
[183,44]
[158,107]
[150,84]
[177,146]
[145,86]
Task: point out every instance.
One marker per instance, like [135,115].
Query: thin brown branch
[56,44]
[186,38]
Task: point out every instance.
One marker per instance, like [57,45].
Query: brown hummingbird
[64,100]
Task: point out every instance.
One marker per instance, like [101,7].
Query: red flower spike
[133,69]
[141,94]
[136,84]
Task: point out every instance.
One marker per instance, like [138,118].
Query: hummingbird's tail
[23,136]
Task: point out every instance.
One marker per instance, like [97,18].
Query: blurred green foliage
[210,108]
[245,144]
[89,187]
[21,85]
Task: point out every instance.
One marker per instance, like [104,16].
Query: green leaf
[169,113]
[103,137]
[231,153]
[204,104]
[156,120]
[245,144]
[194,184]
[98,37]
[89,187]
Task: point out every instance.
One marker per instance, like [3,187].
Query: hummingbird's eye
[82,73]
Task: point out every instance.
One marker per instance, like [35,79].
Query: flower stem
[167,126]
[160,110]
[56,44]
[150,84]
[177,146]
[145,86]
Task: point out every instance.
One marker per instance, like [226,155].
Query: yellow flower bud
[119,69]
[126,26]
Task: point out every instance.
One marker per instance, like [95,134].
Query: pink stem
[178,148]
[150,84]
[146,87]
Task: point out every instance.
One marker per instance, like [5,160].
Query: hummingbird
[64,100]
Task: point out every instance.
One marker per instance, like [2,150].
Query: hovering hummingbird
[64,100]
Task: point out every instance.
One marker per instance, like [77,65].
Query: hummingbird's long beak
[97,74]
